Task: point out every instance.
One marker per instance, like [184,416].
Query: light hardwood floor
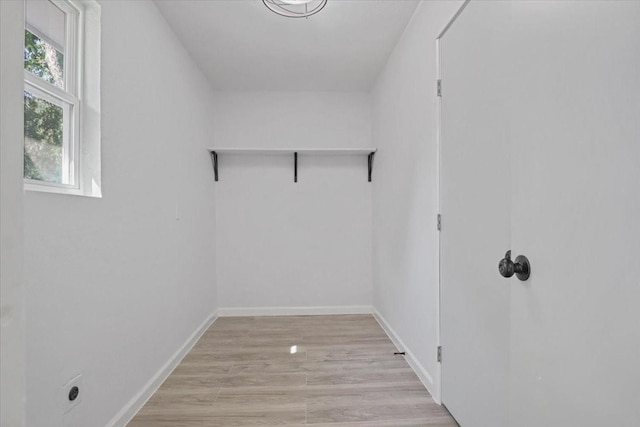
[293,370]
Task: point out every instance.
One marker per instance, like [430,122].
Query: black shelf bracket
[214,161]
[295,166]
[370,161]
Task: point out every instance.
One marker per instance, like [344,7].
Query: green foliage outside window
[43,60]
[43,121]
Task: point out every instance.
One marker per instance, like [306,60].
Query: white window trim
[82,94]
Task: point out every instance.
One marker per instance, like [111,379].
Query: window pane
[43,139]
[43,60]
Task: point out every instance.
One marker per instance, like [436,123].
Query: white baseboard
[127,413]
[292,311]
[411,359]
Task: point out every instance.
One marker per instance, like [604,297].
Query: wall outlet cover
[72,393]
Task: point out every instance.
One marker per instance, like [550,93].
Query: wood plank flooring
[293,371]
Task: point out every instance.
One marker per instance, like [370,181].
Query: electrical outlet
[72,393]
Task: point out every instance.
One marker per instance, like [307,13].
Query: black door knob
[521,267]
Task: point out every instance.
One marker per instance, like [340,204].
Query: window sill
[47,188]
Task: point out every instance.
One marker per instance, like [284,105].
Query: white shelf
[369,152]
[326,151]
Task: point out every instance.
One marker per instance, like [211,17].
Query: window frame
[70,149]
[71,99]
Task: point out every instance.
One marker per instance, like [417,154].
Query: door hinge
[439,222]
[439,354]
[439,87]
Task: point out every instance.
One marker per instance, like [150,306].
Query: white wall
[281,244]
[12,327]
[114,286]
[405,202]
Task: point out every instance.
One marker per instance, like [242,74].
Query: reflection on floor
[293,370]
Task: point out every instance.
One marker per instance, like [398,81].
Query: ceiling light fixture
[295,8]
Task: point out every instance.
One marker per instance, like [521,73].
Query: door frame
[437,397]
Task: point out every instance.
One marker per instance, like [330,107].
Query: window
[61,46]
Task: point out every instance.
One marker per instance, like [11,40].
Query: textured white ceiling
[241,45]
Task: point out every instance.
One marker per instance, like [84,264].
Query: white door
[575,341]
[474,198]
[566,92]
